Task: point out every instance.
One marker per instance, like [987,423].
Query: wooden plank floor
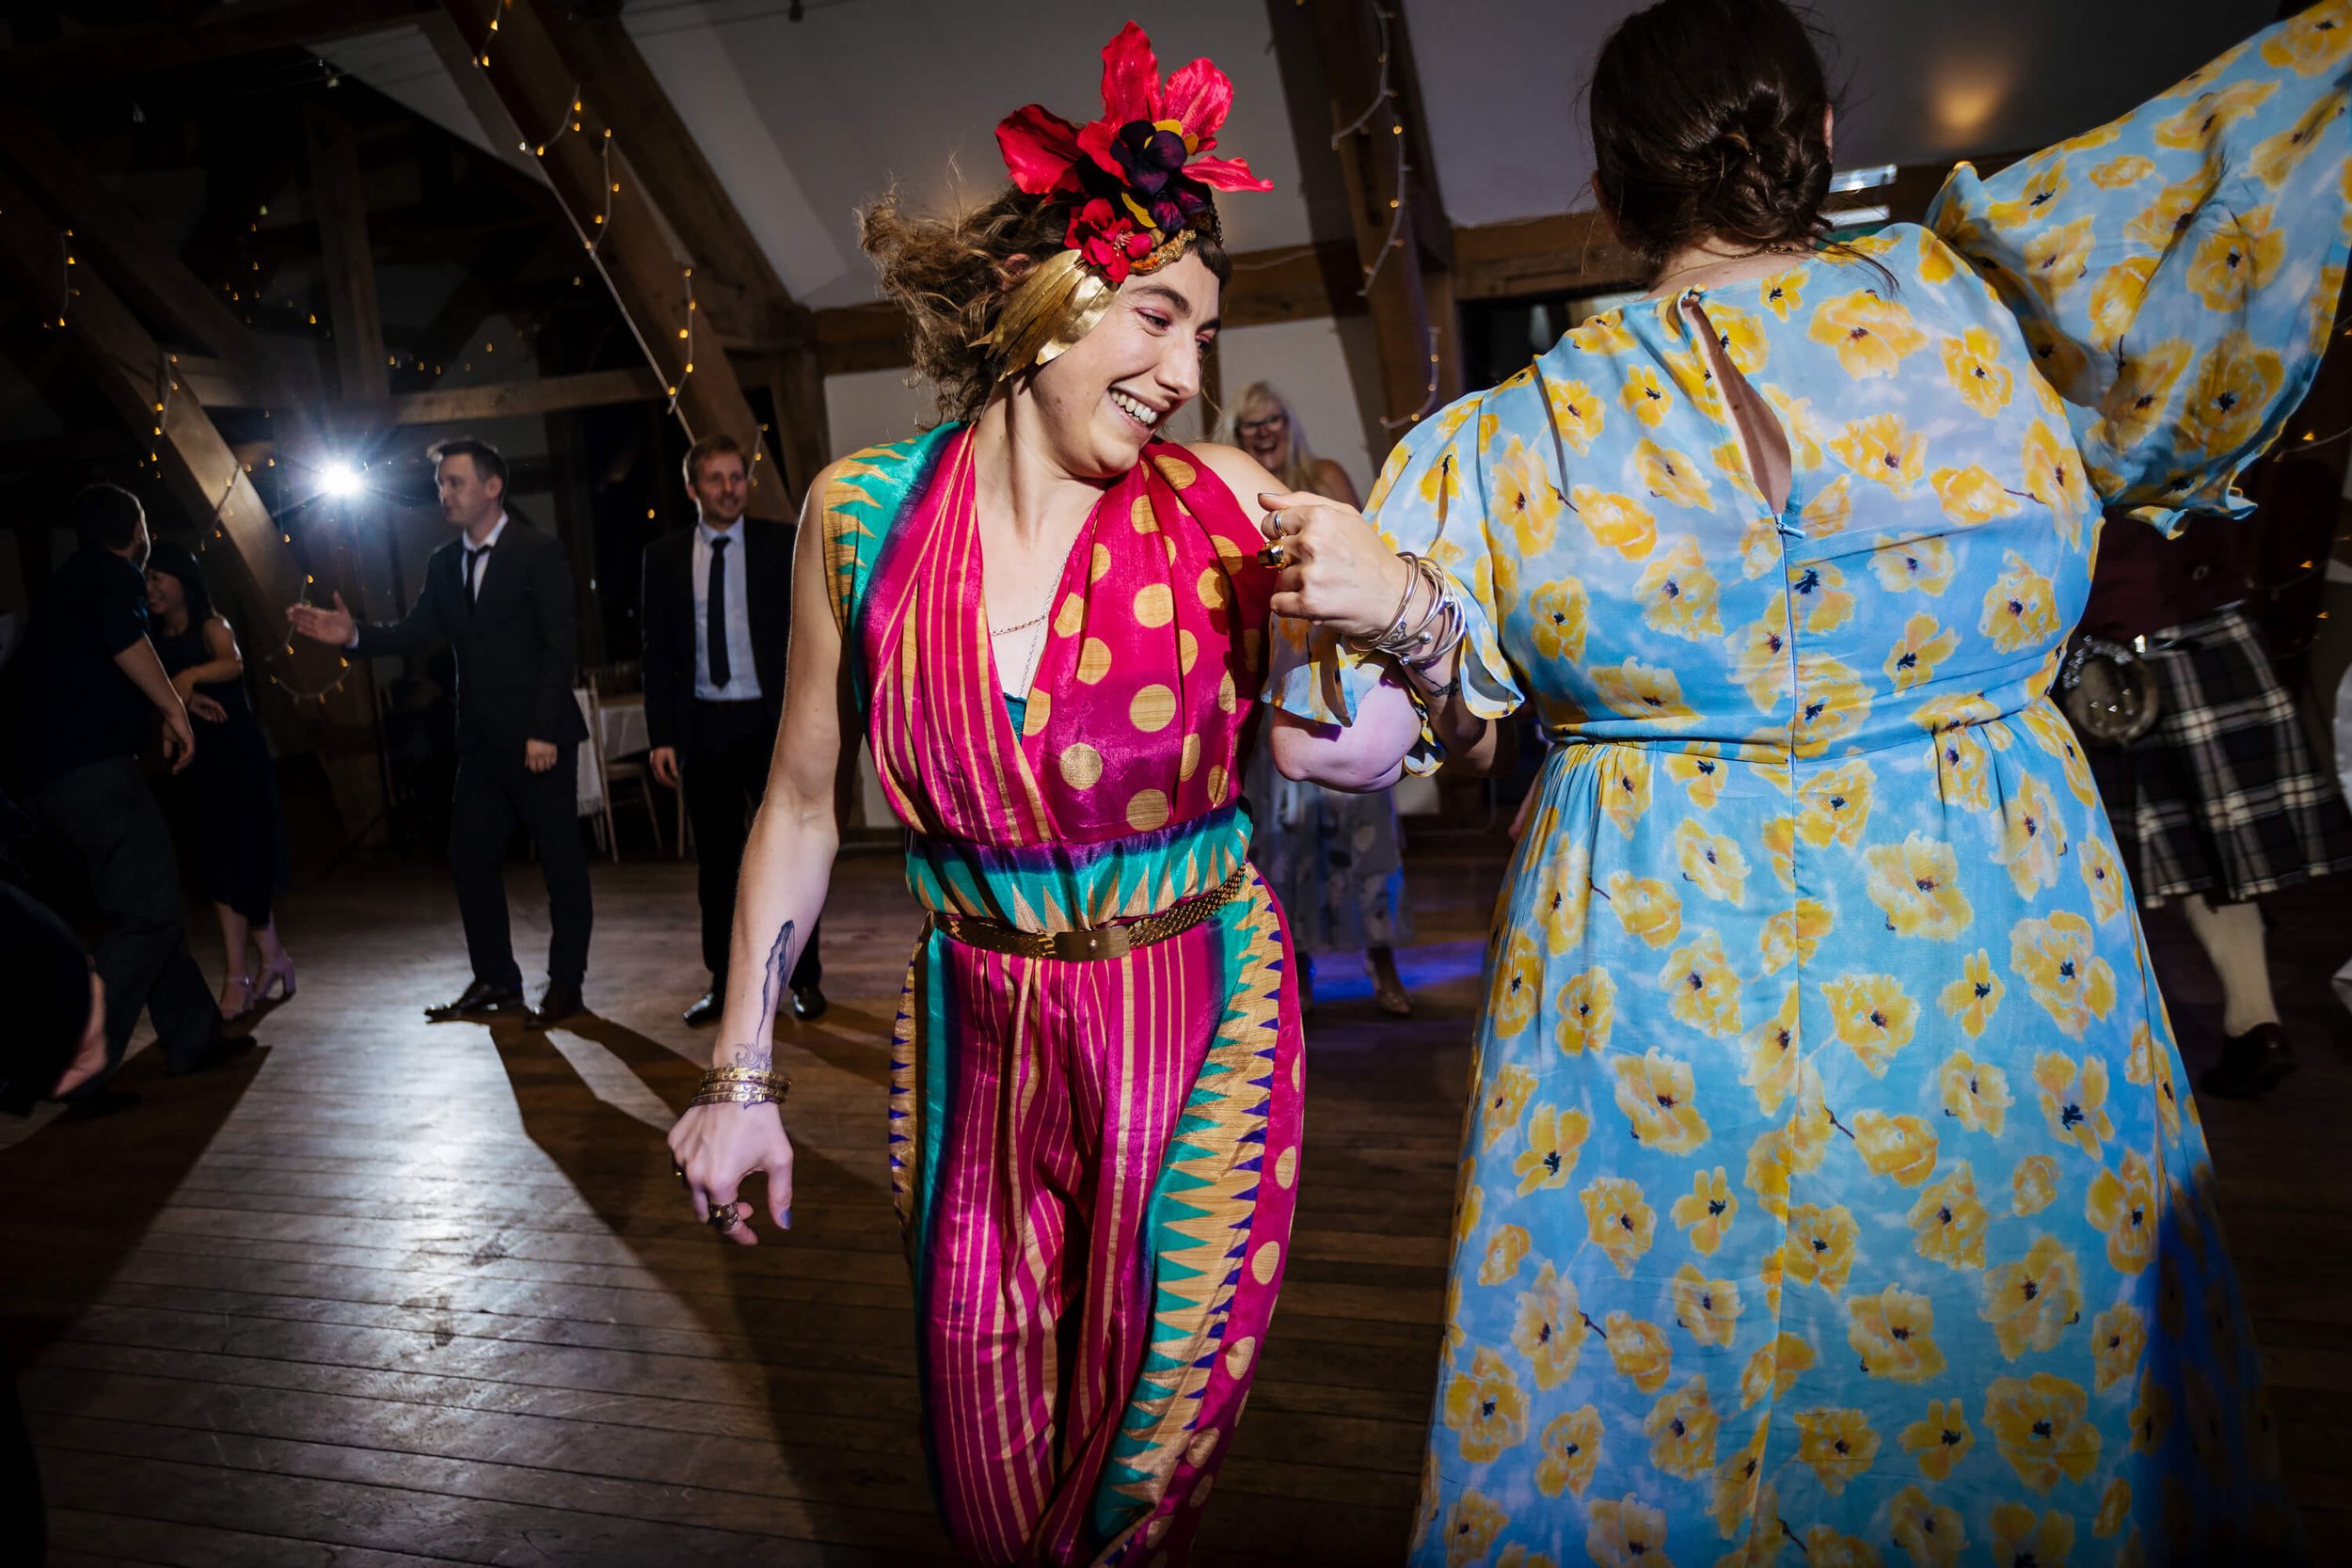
[399,1293]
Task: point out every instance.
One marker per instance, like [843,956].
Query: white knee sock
[2232,936]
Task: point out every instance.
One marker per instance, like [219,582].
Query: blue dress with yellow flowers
[1831,1193]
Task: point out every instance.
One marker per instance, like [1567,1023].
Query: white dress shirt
[744,675]
[482,568]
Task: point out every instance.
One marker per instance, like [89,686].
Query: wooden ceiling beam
[117,55]
[545,394]
[347,263]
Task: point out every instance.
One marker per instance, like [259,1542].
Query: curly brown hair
[950,276]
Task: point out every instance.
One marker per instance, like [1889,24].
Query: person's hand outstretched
[1334,568]
[717,1147]
[332,627]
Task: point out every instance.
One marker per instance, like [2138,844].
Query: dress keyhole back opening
[1763,441]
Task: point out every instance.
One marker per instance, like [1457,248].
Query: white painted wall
[872,407]
[1326,371]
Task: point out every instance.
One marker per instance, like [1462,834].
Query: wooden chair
[619,770]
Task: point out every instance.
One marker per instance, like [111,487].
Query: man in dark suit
[717,616]
[500,596]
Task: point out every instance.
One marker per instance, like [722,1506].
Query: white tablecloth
[625,736]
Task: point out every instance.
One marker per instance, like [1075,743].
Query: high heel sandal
[282,978]
[233,982]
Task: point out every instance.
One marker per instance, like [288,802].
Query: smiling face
[1264,430]
[165,595]
[721,489]
[1111,391]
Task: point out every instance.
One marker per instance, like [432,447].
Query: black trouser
[106,812]
[724,768]
[494,792]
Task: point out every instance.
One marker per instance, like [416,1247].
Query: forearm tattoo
[759,1051]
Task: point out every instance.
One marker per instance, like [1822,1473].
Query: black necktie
[473,573]
[715,615]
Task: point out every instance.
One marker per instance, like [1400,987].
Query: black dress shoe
[707,1007]
[221,1053]
[807,1001]
[480,1000]
[104,1102]
[560,1003]
[2251,1063]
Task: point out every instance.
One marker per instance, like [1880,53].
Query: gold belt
[1098,941]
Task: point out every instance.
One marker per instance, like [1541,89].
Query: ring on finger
[723,1218]
[1276,555]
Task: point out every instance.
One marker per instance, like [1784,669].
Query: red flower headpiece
[1135,177]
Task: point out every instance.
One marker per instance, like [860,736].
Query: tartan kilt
[2221,796]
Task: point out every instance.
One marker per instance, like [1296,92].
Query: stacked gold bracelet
[742,1086]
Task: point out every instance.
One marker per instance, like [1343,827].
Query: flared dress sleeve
[2177,270]
[1431,499]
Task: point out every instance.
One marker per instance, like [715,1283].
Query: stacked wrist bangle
[742,1086]
[1437,634]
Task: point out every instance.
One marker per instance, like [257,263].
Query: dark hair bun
[1709,120]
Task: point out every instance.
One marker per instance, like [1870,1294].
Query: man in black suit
[500,596]
[717,616]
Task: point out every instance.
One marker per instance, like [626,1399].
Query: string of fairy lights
[1384,100]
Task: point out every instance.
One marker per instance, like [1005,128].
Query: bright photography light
[342,479]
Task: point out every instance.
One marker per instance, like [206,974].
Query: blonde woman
[1333,857]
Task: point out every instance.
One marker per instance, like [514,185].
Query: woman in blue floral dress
[1831,1193]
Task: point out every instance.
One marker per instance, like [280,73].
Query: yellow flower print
[1794,935]
[1559,610]
[1884,448]
[2123,1204]
[1833,804]
[1671,476]
[1576,413]
[1836,702]
[1922,561]
[2311,43]
[1938,264]
[1932,1533]
[2046,185]
[1517,1556]
[1487,1406]
[1784,292]
[2019,1535]
[1563,899]
[1774,1369]
[1703,988]
[1975,1094]
[1810,1127]
[1548,1332]
[2125,169]
[1571,1446]
[1873,1017]
[1710,861]
[1647,908]
[1645,396]
[2029,1303]
[1678,593]
[1603,334]
[1519,987]
[1627,1533]
[2055,959]
[2059,257]
[1821,1245]
[1554,1140]
[2117,1337]
[2210,112]
[1940,1439]
[1901,1146]
[1872,335]
[1772,1273]
[1924,645]
[2152,1414]
[1469,1203]
[1695,378]
[1826,513]
[1824,1546]
[2233,393]
[2040,1425]
[1775,1069]
[1970,495]
[1838,1444]
[1523,496]
[1738,1497]
[1947,1222]
[1797,422]
[1972,999]
[2055,736]
[2032,837]
[1639,690]
[2033,1186]
[1587,1003]
[1615,522]
[2074,1098]
[1893,1333]
[2135,406]
[1761,661]
[2277,156]
[1681,1430]
[1703,776]
[1654,1090]
[2020,609]
[1506,1251]
[1625,786]
[1780,849]
[2115,1509]
[1707,1210]
[1639,1351]
[1916,883]
[2167,218]
[1470,1529]
[1707,1309]
[1742,339]
[2115,300]
[1506,1098]
[2054,477]
[2234,261]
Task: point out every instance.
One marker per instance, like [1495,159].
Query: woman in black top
[232,782]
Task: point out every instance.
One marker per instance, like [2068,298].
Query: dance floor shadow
[80,1196]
